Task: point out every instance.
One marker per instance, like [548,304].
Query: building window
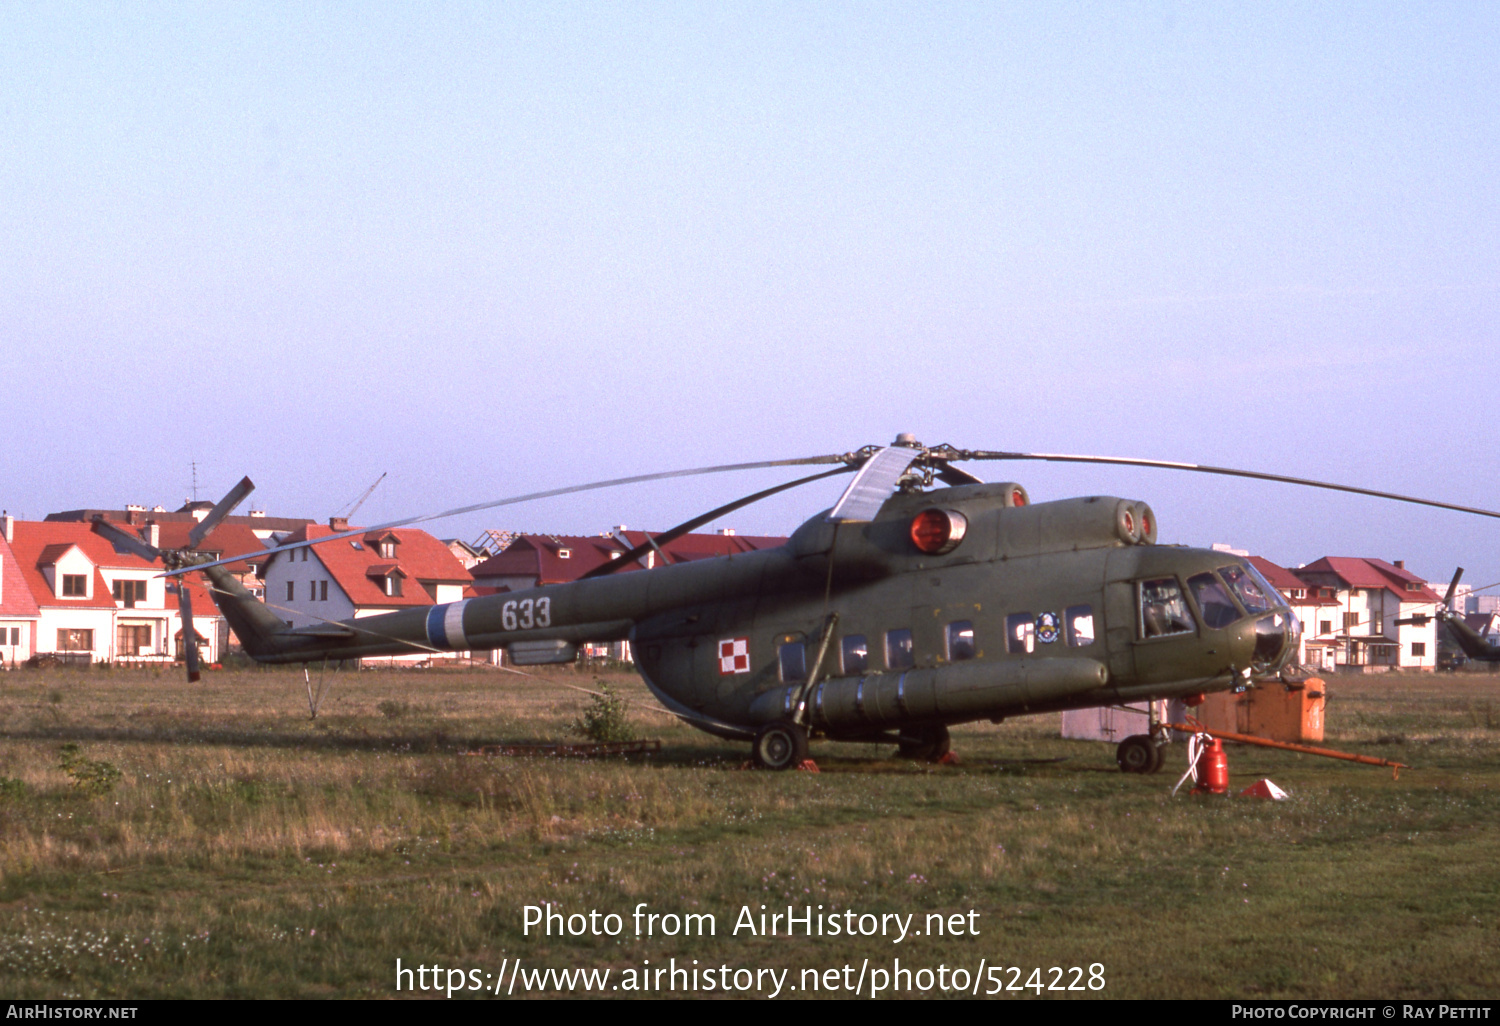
[898,650]
[1325,626]
[128,593]
[1418,649]
[393,586]
[74,639]
[291,591]
[960,636]
[856,654]
[15,635]
[793,658]
[322,591]
[1078,623]
[75,586]
[388,550]
[1351,620]
[133,639]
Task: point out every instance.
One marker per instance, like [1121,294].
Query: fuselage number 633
[526,614]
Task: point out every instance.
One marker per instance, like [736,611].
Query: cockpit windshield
[1213,600]
[1253,591]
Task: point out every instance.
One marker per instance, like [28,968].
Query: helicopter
[923,599]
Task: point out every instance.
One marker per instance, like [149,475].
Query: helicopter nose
[1274,640]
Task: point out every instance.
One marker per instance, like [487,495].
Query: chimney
[1400,564]
[339,523]
[153,534]
[8,525]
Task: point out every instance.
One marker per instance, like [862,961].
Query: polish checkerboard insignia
[734,656]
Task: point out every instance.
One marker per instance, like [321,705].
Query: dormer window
[387,550]
[393,586]
[564,553]
[75,585]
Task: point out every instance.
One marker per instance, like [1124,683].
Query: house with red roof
[346,578]
[1316,606]
[98,604]
[1385,618]
[18,610]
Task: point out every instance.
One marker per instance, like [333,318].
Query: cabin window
[793,658]
[898,650]
[960,640]
[75,585]
[74,639]
[1020,633]
[1213,600]
[856,654]
[1078,624]
[1164,612]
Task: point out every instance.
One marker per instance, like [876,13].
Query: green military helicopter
[923,599]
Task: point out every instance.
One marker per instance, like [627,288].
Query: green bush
[90,777]
[604,719]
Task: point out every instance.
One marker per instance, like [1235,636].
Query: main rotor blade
[873,485]
[533,496]
[1126,461]
[123,539]
[232,498]
[1452,587]
[692,525]
[189,632]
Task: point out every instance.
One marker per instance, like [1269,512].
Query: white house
[348,578]
[1385,618]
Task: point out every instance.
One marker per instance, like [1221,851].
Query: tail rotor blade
[1452,587]
[233,498]
[189,633]
[123,539]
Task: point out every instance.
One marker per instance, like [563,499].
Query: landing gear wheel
[1158,757]
[930,743]
[780,746]
[1137,754]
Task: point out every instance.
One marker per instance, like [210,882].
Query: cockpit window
[1213,600]
[1249,590]
[1164,611]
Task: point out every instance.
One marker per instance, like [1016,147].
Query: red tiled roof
[1375,574]
[15,595]
[1287,582]
[418,555]
[226,539]
[41,543]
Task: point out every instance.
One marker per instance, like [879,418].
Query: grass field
[212,840]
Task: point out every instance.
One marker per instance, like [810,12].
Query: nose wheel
[1137,754]
[780,746]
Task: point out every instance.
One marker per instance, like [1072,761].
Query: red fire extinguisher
[1213,770]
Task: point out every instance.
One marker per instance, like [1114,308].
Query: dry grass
[248,850]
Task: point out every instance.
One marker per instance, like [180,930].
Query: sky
[491,249]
